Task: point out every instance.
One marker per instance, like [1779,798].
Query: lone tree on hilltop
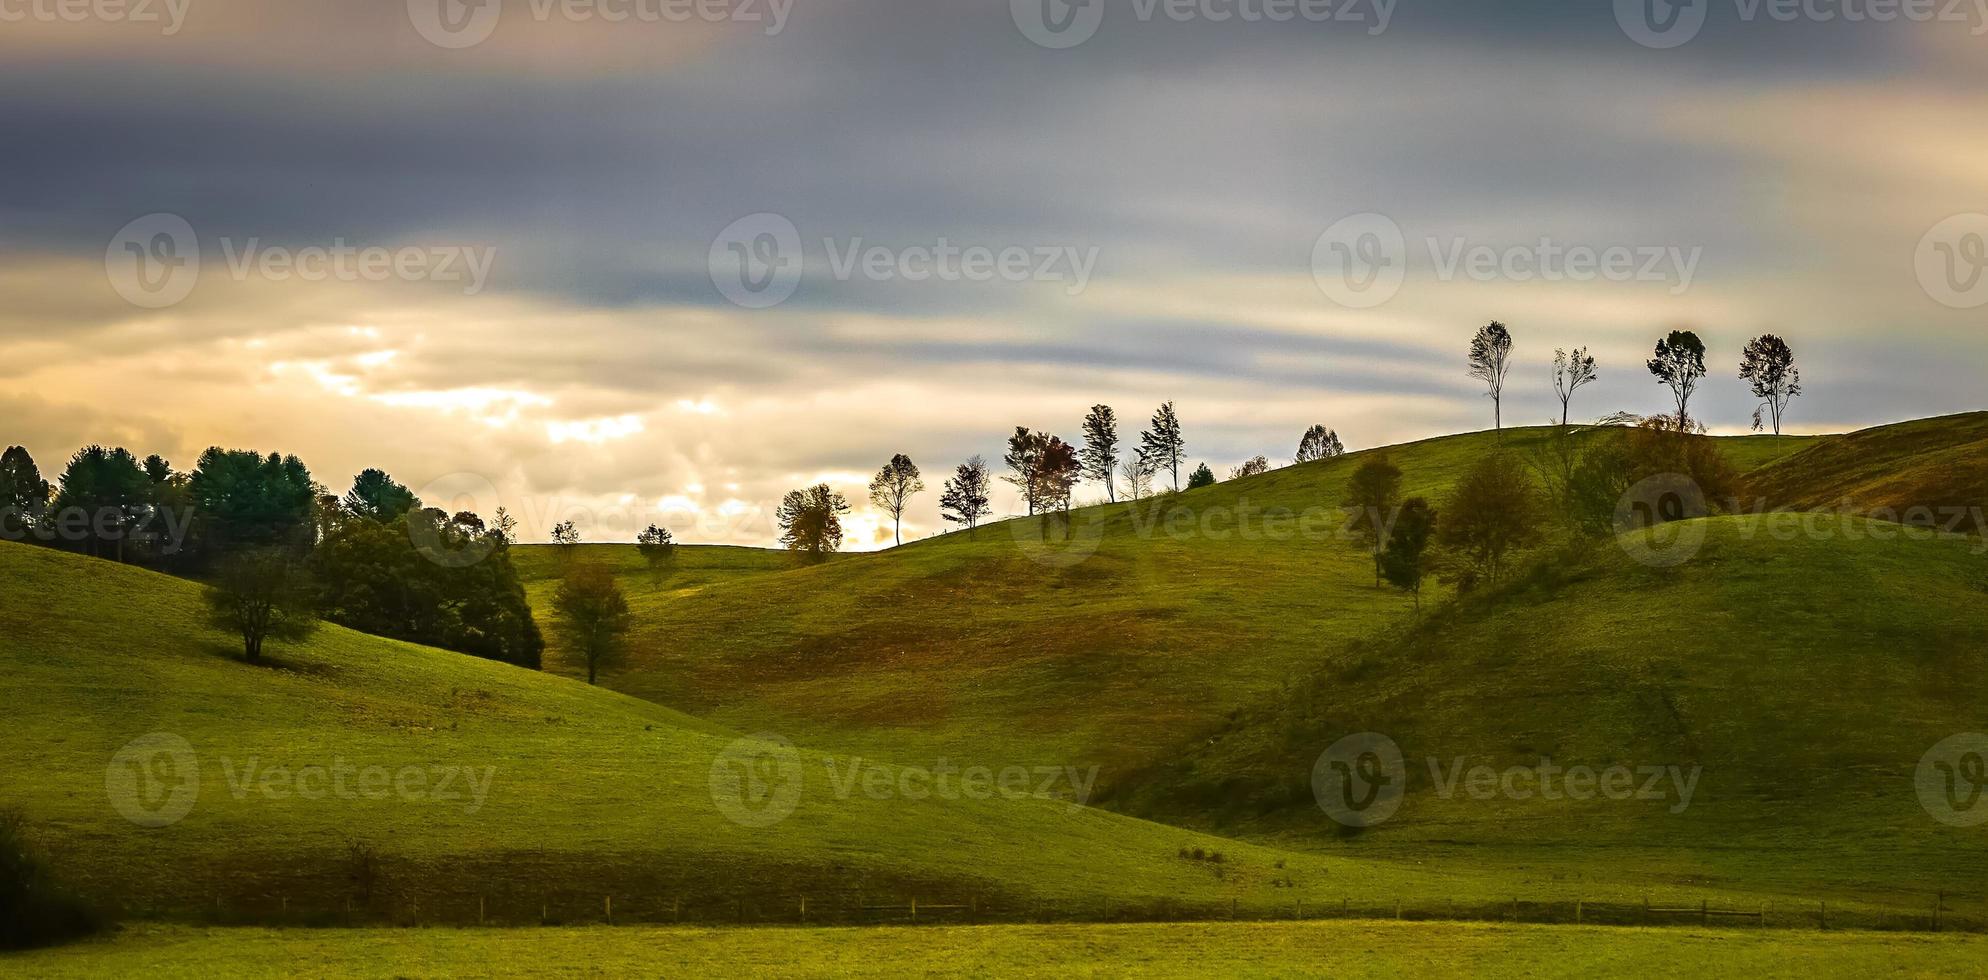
[261,594]
[657,547]
[1371,496]
[1100,453]
[811,520]
[1490,359]
[1571,371]
[963,500]
[565,534]
[1680,364]
[1318,443]
[892,489]
[1201,477]
[1769,365]
[1163,443]
[591,612]
[1404,561]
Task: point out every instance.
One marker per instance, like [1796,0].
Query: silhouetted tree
[1679,364]
[1254,466]
[102,497]
[505,525]
[1024,458]
[1769,366]
[963,500]
[1371,496]
[1163,443]
[565,534]
[1571,371]
[24,494]
[592,614]
[1137,472]
[1490,358]
[1058,470]
[1318,443]
[1201,477]
[376,497]
[262,593]
[1404,561]
[656,546]
[893,487]
[245,499]
[811,520]
[1100,453]
[1492,514]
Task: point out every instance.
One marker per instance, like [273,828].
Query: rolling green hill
[1143,625]
[585,794]
[1930,471]
[1802,667]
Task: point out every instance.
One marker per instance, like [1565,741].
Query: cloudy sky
[655,260]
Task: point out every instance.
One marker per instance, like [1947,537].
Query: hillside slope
[1109,643]
[1802,667]
[1930,471]
[584,794]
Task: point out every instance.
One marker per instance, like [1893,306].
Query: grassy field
[587,794]
[1334,949]
[1940,464]
[1151,625]
[1751,665]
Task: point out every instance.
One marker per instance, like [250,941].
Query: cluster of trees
[1043,468]
[1767,365]
[1571,486]
[279,551]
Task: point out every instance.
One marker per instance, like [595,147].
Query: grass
[1803,673]
[1010,646]
[1339,949]
[591,794]
[1941,464]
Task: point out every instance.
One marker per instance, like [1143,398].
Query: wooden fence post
[609,907]
[1704,911]
[914,907]
[1577,911]
[804,910]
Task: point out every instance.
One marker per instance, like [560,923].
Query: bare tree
[1137,472]
[1571,371]
[893,487]
[1490,359]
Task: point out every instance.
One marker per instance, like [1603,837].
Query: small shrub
[35,910]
